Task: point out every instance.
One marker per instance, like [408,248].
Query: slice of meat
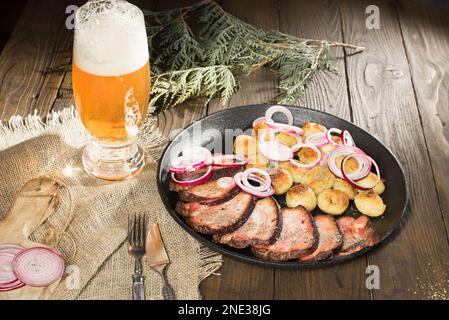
[219,219]
[212,192]
[329,239]
[298,237]
[217,173]
[263,226]
[357,234]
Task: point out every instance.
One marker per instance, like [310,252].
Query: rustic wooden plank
[238,280]
[320,19]
[414,264]
[425,31]
[40,41]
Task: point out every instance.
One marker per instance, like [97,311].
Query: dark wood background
[398,89]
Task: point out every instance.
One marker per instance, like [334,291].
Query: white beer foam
[110,38]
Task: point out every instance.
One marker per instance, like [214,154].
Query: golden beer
[105,103]
[111,85]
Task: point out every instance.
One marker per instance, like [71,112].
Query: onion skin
[195,182]
[354,183]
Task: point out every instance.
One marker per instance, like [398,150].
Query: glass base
[113,161]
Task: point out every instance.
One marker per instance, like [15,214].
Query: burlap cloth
[91,224]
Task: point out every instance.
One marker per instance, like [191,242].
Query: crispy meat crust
[263,227]
[298,237]
[219,219]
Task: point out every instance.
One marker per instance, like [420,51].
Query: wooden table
[398,89]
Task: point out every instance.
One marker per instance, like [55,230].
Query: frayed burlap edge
[20,129]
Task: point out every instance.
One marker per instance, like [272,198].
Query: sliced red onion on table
[226,182]
[7,276]
[229,161]
[318,139]
[190,183]
[306,165]
[11,248]
[364,163]
[347,176]
[39,266]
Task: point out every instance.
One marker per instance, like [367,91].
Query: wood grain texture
[415,263]
[239,280]
[425,31]
[320,19]
[40,41]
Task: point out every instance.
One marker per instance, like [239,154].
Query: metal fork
[136,239]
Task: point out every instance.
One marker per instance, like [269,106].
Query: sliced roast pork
[357,234]
[212,192]
[218,219]
[263,226]
[217,173]
[298,237]
[329,239]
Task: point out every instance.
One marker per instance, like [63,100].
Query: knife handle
[167,291]
[138,287]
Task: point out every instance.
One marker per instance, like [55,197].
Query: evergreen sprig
[211,61]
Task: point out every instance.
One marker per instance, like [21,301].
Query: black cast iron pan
[215,129]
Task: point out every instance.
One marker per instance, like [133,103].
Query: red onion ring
[274,109]
[285,127]
[347,138]
[351,181]
[318,139]
[307,165]
[274,150]
[220,161]
[364,165]
[38,266]
[191,159]
[226,182]
[191,183]
[7,276]
[11,248]
[329,135]
[259,120]
[265,183]
[250,190]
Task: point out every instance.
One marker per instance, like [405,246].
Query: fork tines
[137,230]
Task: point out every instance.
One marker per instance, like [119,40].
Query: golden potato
[369,180]
[311,128]
[370,204]
[288,139]
[257,161]
[319,178]
[245,145]
[333,202]
[346,187]
[281,180]
[306,155]
[301,195]
[258,128]
[351,164]
[296,172]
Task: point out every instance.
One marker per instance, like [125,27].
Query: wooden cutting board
[36,201]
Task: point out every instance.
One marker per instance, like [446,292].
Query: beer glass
[111,85]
